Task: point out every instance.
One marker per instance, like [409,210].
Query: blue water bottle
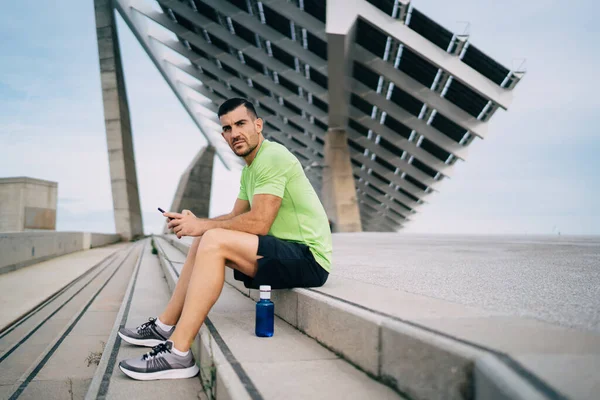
[265,313]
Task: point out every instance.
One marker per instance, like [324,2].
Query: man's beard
[247,152]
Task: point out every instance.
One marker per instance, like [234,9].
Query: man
[277,234]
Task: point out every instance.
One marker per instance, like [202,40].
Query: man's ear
[258,123]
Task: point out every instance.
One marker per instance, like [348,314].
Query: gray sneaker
[147,334]
[160,363]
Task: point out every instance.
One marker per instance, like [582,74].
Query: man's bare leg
[172,312]
[218,246]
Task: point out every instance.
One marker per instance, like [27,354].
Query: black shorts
[284,265]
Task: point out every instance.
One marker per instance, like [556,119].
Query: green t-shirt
[301,217]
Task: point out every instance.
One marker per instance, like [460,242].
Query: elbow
[259,224]
[263,231]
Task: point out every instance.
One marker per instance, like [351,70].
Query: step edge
[15,323]
[98,379]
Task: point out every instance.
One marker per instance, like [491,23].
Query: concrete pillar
[341,30]
[338,192]
[193,191]
[126,199]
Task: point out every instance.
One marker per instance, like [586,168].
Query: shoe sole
[179,373]
[141,342]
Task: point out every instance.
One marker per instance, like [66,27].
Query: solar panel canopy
[416,94]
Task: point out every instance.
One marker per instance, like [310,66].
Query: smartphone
[163,211]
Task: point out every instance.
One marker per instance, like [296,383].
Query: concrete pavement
[554,279]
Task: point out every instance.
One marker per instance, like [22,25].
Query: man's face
[241,130]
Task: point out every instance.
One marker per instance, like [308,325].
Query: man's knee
[196,242]
[194,247]
[212,240]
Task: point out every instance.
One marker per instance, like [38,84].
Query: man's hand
[186,224]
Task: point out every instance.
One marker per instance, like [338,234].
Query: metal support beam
[429,51]
[396,161]
[391,193]
[458,44]
[376,219]
[389,175]
[401,142]
[409,120]
[343,10]
[421,92]
[380,206]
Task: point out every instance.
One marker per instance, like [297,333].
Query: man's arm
[257,221]
[240,207]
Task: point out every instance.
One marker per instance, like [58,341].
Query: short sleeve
[242,195]
[272,178]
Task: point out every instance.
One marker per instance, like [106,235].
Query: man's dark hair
[233,103]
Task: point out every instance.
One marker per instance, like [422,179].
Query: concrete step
[38,283]
[50,352]
[146,295]
[434,349]
[235,364]
[66,296]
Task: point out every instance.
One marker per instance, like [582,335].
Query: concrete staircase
[235,364]
[347,340]
[51,351]
[146,294]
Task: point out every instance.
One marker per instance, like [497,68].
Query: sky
[537,171]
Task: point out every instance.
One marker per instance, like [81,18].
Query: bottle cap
[265,291]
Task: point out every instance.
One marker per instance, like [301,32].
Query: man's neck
[250,157]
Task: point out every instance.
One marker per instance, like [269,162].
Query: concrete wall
[99,240]
[20,249]
[27,203]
